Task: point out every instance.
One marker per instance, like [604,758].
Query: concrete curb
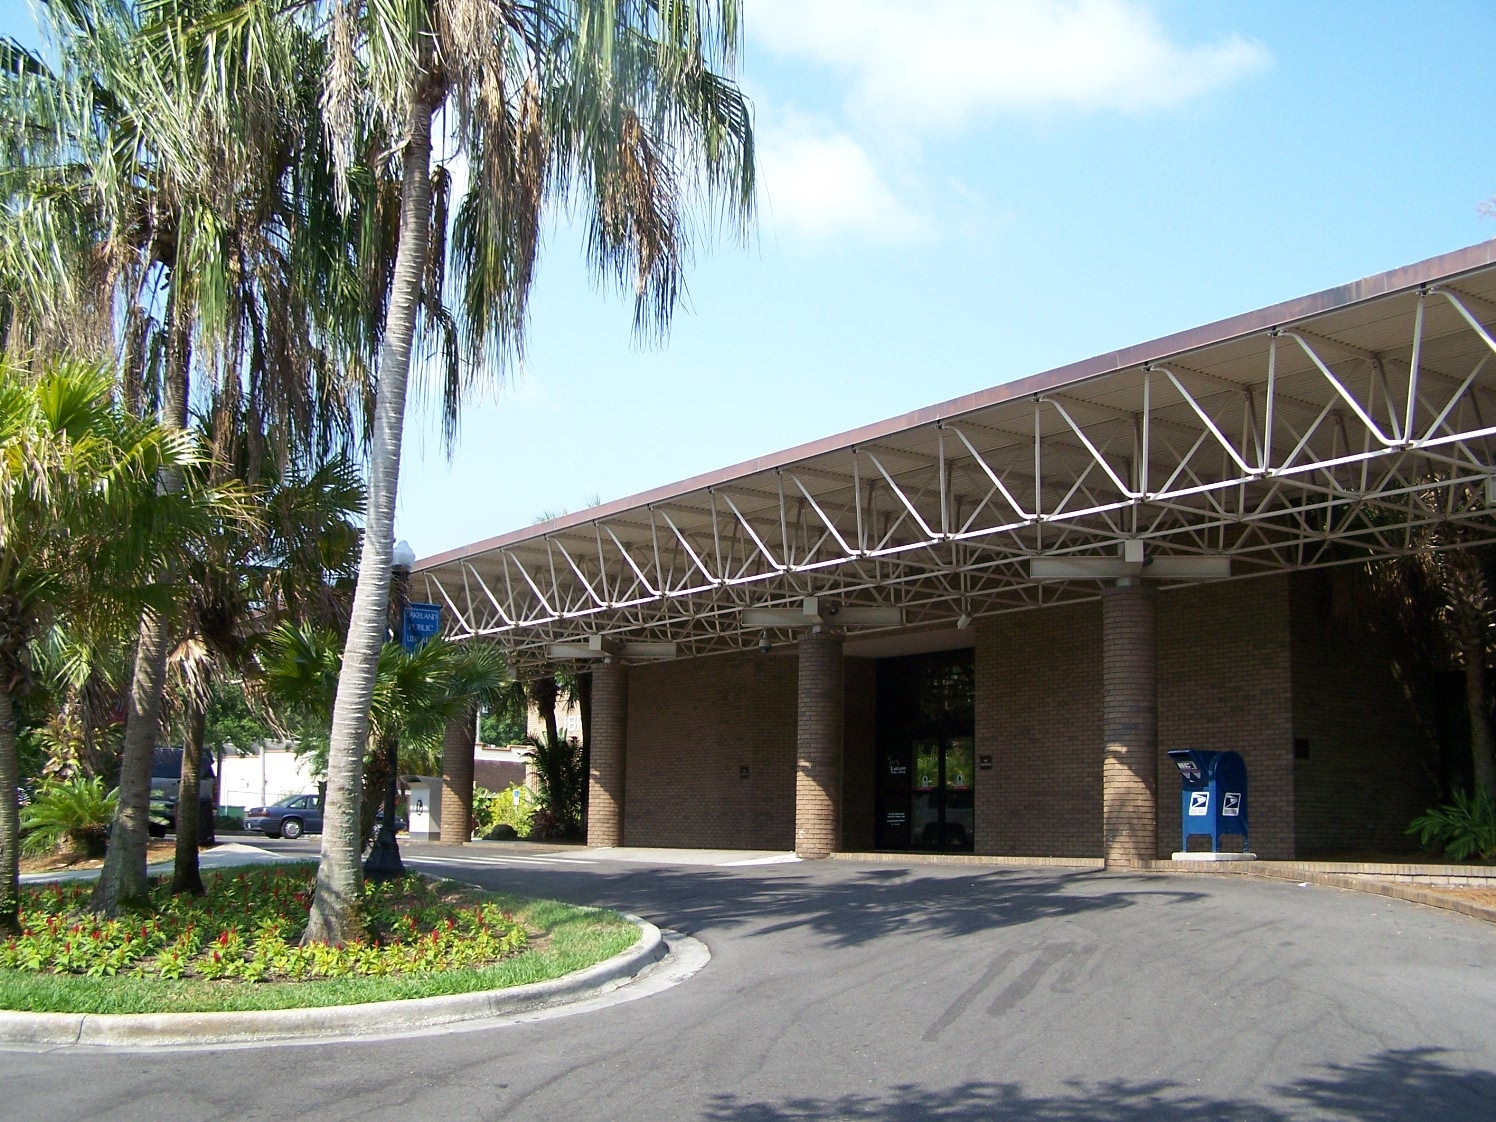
[914,857]
[1355,877]
[1354,882]
[380,1017]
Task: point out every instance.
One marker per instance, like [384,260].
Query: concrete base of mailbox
[1208,856]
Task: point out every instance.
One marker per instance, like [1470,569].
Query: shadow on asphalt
[1393,1086]
[848,910]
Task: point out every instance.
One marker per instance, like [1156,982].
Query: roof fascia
[1445,267]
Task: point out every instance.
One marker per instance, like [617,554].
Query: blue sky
[957,193]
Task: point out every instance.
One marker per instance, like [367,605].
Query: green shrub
[1464,828]
[68,815]
[563,786]
[229,818]
[513,807]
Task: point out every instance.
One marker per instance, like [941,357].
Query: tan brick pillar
[606,742]
[1129,724]
[457,778]
[818,775]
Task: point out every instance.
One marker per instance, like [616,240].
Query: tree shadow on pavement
[1394,1086]
[847,907]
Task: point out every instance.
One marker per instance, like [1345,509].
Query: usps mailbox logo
[1231,804]
[1199,804]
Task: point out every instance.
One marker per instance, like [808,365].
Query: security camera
[763,642]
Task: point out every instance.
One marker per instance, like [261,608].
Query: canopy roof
[1352,424]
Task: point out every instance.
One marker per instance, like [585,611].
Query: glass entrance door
[925,797]
[926,716]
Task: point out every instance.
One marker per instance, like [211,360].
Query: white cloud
[922,63]
[818,183]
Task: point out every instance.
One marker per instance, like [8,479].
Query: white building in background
[271,772]
[568,721]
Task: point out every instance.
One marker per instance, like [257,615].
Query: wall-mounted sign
[897,767]
[984,762]
[896,819]
[743,771]
[422,622]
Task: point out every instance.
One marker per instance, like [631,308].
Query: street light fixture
[384,862]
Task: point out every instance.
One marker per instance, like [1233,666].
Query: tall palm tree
[617,105]
[166,160]
[81,526]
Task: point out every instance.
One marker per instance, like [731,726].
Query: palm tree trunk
[10,818]
[377,775]
[584,703]
[1480,719]
[123,878]
[334,913]
[122,881]
[186,876]
[543,693]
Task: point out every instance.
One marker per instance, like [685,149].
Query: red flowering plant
[247,926]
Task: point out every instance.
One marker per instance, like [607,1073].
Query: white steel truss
[1335,437]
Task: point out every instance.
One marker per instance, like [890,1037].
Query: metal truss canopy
[1341,427]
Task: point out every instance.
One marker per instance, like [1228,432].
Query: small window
[298,804]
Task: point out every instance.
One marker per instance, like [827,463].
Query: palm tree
[80,526]
[240,585]
[1434,605]
[162,163]
[417,696]
[616,105]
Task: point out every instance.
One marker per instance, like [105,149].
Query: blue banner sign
[422,622]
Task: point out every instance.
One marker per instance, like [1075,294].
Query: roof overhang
[1344,426]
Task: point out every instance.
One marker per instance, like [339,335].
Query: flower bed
[247,927]
[238,947]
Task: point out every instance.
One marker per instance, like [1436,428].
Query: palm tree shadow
[1393,1085]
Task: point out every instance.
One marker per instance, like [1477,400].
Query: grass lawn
[416,951]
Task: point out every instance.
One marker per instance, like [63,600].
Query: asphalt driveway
[839,990]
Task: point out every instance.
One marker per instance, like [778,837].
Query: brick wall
[859,760]
[1233,674]
[821,704]
[692,725]
[496,776]
[1224,683]
[1371,760]
[1129,725]
[607,744]
[456,824]
[1038,684]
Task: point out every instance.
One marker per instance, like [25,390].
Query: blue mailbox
[1214,800]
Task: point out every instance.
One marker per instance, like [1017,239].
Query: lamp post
[384,855]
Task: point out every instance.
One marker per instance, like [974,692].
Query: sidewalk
[224,856]
[578,854]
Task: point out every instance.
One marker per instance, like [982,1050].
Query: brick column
[819,746]
[606,742]
[457,778]
[1129,725]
